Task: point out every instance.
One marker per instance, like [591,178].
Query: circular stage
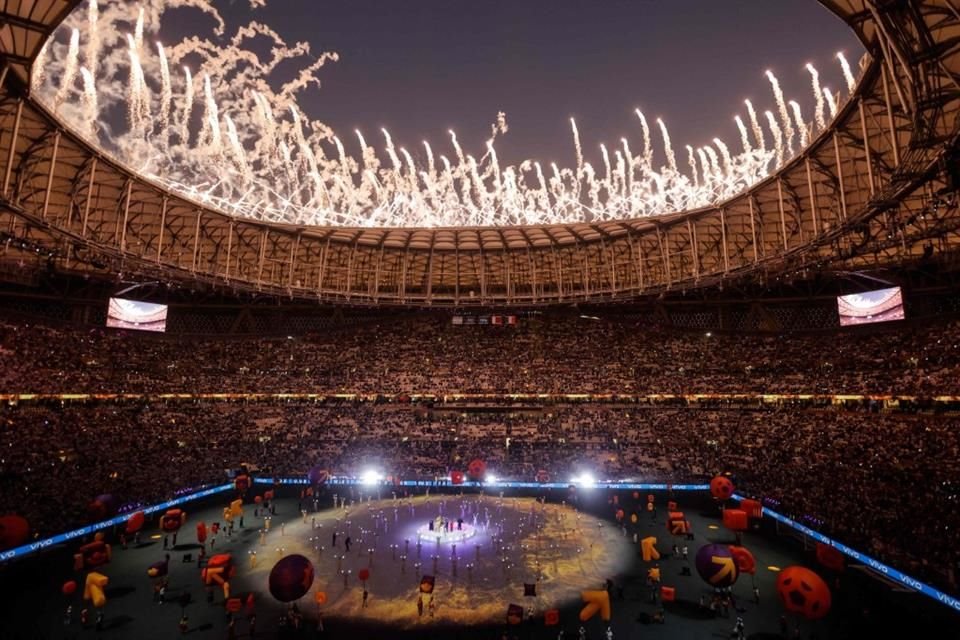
[496,550]
[443,532]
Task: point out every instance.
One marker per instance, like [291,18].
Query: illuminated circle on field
[444,535]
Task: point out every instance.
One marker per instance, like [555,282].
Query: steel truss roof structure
[877,188]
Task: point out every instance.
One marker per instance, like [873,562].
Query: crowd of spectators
[883,482]
[886,482]
[562,354]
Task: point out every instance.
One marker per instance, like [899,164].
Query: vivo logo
[876,565]
[40,545]
[910,582]
[6,555]
[951,602]
[74,534]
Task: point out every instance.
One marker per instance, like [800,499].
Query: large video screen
[134,314]
[882,305]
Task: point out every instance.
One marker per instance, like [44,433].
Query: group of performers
[445,524]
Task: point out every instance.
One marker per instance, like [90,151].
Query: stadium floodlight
[585,480]
[370,477]
[489,478]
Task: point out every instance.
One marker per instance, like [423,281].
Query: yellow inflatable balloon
[597,602]
[93,589]
[648,549]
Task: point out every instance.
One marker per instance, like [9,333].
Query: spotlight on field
[489,478]
[584,480]
[370,477]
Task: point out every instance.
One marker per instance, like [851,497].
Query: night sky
[420,67]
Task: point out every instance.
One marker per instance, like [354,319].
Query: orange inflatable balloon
[721,487]
[803,591]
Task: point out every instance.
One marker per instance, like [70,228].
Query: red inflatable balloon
[242,482]
[746,563]
[172,520]
[135,522]
[721,487]
[69,587]
[477,468]
[456,477]
[14,531]
[803,591]
[829,557]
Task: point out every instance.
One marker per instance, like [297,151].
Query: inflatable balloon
[716,565]
[93,589]
[318,476]
[721,487]
[746,563]
[172,520]
[476,469]
[103,506]
[427,583]
[803,591]
[69,587]
[597,602]
[677,523]
[218,571]
[135,522]
[753,508]
[93,554]
[830,557]
[735,519]
[158,569]
[14,531]
[241,483]
[456,477]
[291,578]
[648,549]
